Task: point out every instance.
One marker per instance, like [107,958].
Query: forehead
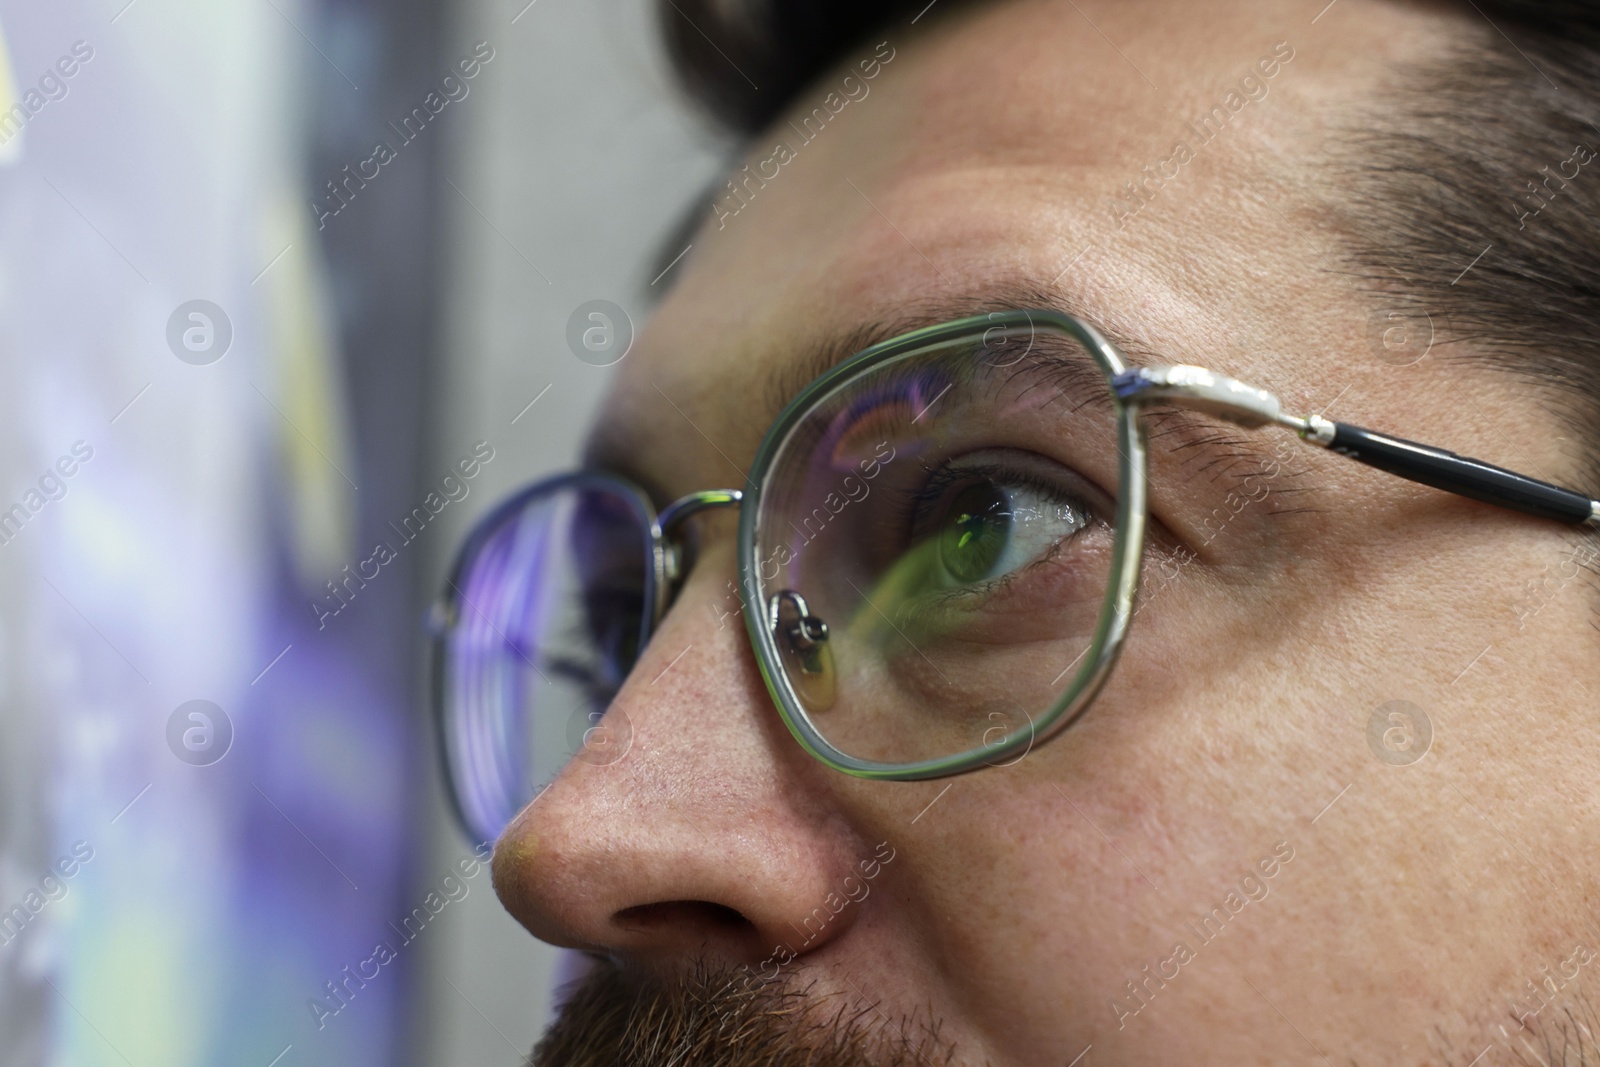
[1045,148]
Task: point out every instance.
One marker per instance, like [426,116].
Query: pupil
[976,532]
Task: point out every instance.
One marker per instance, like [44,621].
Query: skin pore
[1385,914]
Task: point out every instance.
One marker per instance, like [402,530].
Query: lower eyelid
[1031,588]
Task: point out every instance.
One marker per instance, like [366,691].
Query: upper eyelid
[1242,456]
[1205,443]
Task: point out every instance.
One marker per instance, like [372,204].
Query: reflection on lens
[548,610]
[949,514]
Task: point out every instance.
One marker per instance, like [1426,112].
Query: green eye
[975,533]
[996,525]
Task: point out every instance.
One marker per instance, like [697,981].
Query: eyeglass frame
[1133,391]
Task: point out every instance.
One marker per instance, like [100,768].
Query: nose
[712,835]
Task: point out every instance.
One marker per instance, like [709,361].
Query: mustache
[715,1016]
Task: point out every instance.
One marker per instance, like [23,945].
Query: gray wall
[573,158]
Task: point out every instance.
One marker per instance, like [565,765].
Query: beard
[718,1017]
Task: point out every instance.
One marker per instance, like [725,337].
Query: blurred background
[269,270]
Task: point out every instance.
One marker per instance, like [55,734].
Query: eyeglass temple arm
[1245,405]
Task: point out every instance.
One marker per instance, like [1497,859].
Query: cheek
[1127,805]
[1021,896]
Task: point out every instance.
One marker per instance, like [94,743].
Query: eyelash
[947,476]
[909,504]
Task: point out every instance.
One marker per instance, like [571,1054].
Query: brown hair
[1491,150]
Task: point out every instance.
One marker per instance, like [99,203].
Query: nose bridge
[700,835]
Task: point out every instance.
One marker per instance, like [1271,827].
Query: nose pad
[802,640]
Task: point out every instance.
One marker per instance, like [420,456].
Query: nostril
[700,915]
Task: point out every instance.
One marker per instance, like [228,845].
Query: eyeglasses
[939,546]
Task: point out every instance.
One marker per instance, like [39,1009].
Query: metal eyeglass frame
[1132,391]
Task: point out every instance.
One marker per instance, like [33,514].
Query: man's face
[1236,856]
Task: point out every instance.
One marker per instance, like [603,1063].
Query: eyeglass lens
[935,543]
[550,613]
